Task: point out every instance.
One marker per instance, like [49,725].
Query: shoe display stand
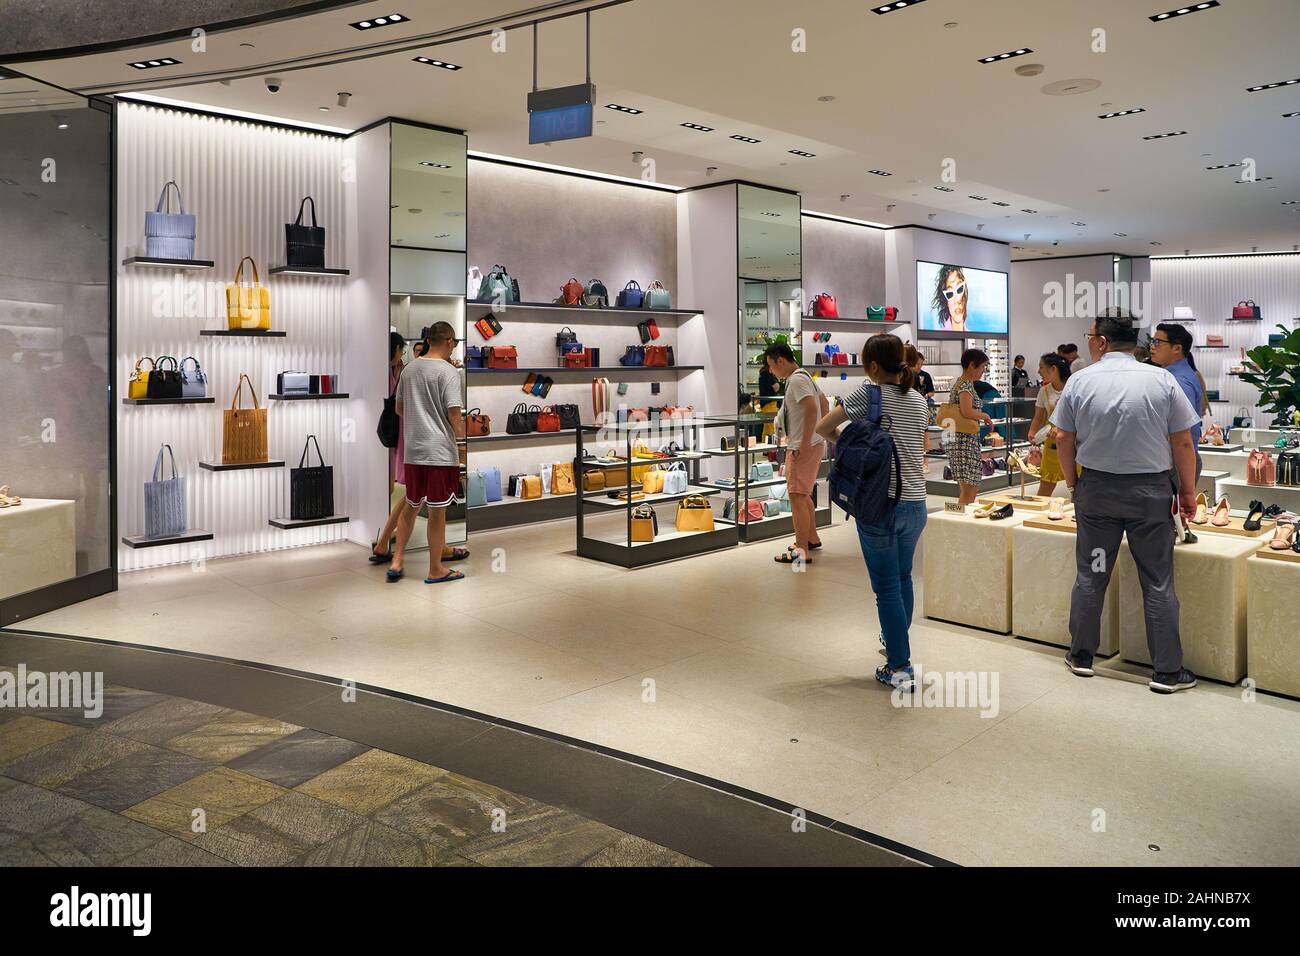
[1210,578]
[1240,492]
[1272,622]
[1043,575]
[968,570]
[1036,503]
[1236,527]
[38,544]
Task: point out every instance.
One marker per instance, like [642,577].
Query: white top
[429,390]
[790,422]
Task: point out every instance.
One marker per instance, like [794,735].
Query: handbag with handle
[167,234]
[1243,417]
[645,523]
[1183,313]
[694,514]
[675,478]
[569,417]
[593,480]
[164,500]
[824,306]
[657,297]
[248,307]
[165,379]
[595,295]
[548,420]
[492,484]
[475,489]
[243,436]
[1246,309]
[501,356]
[1260,468]
[477,424]
[311,488]
[652,483]
[531,486]
[519,422]
[571,294]
[473,356]
[564,337]
[138,386]
[305,245]
[1288,468]
[634,357]
[497,286]
[656,356]
[578,359]
[194,382]
[760,471]
[630,296]
[562,478]
[473,282]
[950,416]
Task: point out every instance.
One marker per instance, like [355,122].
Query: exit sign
[563,113]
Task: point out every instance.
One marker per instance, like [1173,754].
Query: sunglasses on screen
[950,293]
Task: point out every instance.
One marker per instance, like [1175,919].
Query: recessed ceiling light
[623,109]
[698,127]
[1181,132]
[879,172]
[1257,179]
[1291,202]
[1290,115]
[896,5]
[774,215]
[1271,86]
[978,198]
[1183,11]
[1005,56]
[1154,243]
[1032,212]
[385,20]
[1077,223]
[1004,204]
[943,189]
[63,126]
[435,165]
[152,64]
[800,152]
[745,139]
[431,62]
[1136,109]
[825,99]
[1224,166]
[323,109]
[1121,235]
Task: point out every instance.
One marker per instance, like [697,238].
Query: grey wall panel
[845,260]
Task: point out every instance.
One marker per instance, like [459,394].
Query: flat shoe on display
[1221,517]
[1202,509]
[986,509]
[1006,511]
[1079,670]
[1056,509]
[1252,519]
[1283,537]
[1172,683]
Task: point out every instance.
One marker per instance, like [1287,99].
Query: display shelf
[279,397]
[566,433]
[882,323]
[590,465]
[552,369]
[154,262]
[724,453]
[289,524]
[207,400]
[245,466]
[766,519]
[318,271]
[601,499]
[744,485]
[557,307]
[140,541]
[1199,347]
[1252,319]
[246,333]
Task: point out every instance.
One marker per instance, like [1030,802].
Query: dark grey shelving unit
[278,397]
[157,263]
[321,271]
[249,466]
[246,333]
[140,541]
[289,524]
[207,400]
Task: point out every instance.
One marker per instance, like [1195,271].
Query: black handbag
[568,416]
[564,337]
[304,245]
[521,421]
[512,486]
[390,426]
[1288,468]
[165,380]
[311,489]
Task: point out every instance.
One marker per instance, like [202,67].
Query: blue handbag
[630,297]
[164,500]
[491,484]
[633,357]
[657,297]
[476,495]
[568,347]
[194,384]
[169,235]
[760,471]
[473,357]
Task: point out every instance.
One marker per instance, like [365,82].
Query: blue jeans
[888,550]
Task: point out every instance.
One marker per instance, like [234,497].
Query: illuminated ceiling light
[623,109]
[1136,109]
[431,62]
[979,198]
[435,165]
[996,203]
[1005,56]
[1224,166]
[943,189]
[153,64]
[1120,235]
[896,5]
[1032,212]
[745,139]
[1271,86]
[1183,11]
[1257,179]
[698,127]
[800,152]
[1077,223]
[1181,132]
[385,20]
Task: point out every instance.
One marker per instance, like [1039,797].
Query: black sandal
[790,557]
[380,558]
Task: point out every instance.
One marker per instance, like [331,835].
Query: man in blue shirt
[1128,424]
[1171,349]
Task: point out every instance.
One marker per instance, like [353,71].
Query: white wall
[903,247]
[845,260]
[1034,331]
[706,275]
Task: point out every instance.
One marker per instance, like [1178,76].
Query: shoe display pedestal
[1272,621]
[1231,458]
[1042,582]
[38,544]
[1033,502]
[1242,493]
[968,568]
[1210,578]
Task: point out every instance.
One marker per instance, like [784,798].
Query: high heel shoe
[1283,537]
[1222,518]
[1252,519]
[1023,465]
[7,500]
[1202,509]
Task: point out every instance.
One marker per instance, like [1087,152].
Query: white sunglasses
[949,293]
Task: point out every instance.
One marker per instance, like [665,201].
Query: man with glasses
[1129,425]
[1171,349]
[429,403]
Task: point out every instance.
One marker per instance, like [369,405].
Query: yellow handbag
[562,478]
[531,486]
[694,514]
[243,438]
[645,524]
[950,416]
[248,307]
[652,483]
[138,386]
[593,480]
[641,450]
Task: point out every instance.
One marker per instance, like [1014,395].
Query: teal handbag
[657,297]
[476,495]
[876,312]
[760,471]
[771,508]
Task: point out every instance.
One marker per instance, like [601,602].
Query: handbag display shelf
[156,262]
[306,271]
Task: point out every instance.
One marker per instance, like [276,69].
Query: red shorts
[439,485]
[801,467]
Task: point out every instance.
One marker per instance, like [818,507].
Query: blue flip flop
[395,576]
[449,576]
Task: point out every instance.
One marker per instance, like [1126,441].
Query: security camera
[930,216]
[273,84]
[637,156]
[1056,242]
[709,171]
[980,227]
[343,98]
[891,207]
[844,197]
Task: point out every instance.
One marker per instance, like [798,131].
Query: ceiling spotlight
[637,156]
[800,152]
[385,20]
[1120,235]
[1136,109]
[1257,179]
[1291,202]
[698,127]
[844,197]
[1154,243]
[1032,212]
[891,207]
[944,189]
[1005,56]
[427,61]
[710,170]
[979,227]
[152,64]
[896,5]
[343,98]
[825,99]
[623,109]
[1077,223]
[63,126]
[745,139]
[1271,86]
[323,109]
[996,203]
[1224,166]
[435,165]
[930,216]
[879,172]
[1183,11]
[978,198]
[1181,132]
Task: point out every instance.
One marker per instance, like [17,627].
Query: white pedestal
[1210,578]
[968,570]
[1242,493]
[1043,573]
[38,544]
[1233,462]
[1272,624]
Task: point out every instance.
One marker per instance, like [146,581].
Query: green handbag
[876,313]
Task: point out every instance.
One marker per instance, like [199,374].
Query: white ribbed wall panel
[243,182]
[1212,286]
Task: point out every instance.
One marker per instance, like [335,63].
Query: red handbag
[753,512]
[501,356]
[1244,310]
[572,292]
[825,307]
[656,356]
[1260,468]
[840,358]
[548,419]
[577,359]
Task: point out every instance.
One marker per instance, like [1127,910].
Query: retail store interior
[197,380]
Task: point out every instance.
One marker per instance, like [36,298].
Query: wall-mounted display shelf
[153,262]
[810,321]
[246,333]
[1213,347]
[169,401]
[565,434]
[551,370]
[277,397]
[244,466]
[1251,319]
[307,271]
[289,523]
[140,541]
[556,307]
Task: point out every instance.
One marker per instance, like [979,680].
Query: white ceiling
[909,94]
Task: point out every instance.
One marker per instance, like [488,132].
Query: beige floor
[762,677]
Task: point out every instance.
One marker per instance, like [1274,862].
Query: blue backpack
[859,479]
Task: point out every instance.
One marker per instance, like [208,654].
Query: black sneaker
[1172,683]
[1079,669]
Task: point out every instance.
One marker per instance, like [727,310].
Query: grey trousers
[1107,507]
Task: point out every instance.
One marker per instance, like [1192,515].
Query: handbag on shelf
[571,294]
[497,286]
[248,307]
[475,489]
[293,383]
[600,400]
[488,326]
[167,234]
[694,513]
[477,424]
[1183,313]
[595,295]
[656,297]
[562,478]
[501,356]
[531,486]
[138,386]
[304,245]
[492,484]
[577,359]
[165,379]
[311,488]
[243,435]
[634,357]
[569,417]
[1246,309]
[760,471]
[656,356]
[1260,468]
[675,478]
[593,480]
[652,483]
[1214,341]
[194,382]
[548,420]
[473,356]
[565,336]
[164,500]
[824,306]
[645,523]
[519,422]
[630,296]
[1288,468]
[781,495]
[473,283]
[1243,417]
[753,511]
[771,508]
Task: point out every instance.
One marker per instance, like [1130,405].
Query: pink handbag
[1260,468]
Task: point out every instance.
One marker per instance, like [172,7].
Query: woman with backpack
[889,546]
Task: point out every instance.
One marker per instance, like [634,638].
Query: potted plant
[1278,377]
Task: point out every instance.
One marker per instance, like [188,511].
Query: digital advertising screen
[960,299]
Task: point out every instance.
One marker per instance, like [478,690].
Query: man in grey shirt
[429,403]
[1129,426]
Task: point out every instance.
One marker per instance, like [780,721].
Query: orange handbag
[572,293]
[656,356]
[476,423]
[1260,468]
[548,419]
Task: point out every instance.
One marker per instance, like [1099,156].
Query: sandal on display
[1056,509]
[1283,537]
[1252,519]
[1202,509]
[1023,465]
[1222,518]
[7,500]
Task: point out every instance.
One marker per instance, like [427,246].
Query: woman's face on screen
[957,294]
